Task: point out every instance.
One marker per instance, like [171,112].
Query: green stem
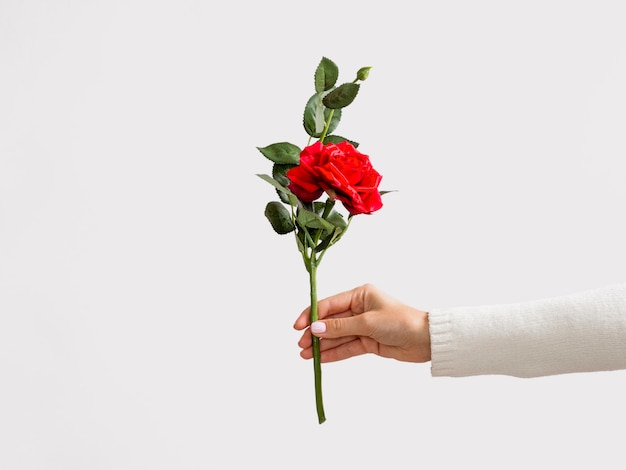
[317,367]
[326,125]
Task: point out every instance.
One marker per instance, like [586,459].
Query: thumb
[340,327]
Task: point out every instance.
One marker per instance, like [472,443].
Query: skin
[365,320]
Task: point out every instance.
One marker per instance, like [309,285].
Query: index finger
[348,302]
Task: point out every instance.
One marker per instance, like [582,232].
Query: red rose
[339,170]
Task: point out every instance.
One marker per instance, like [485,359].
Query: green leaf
[326,75]
[282,152]
[341,96]
[337,220]
[316,115]
[301,241]
[328,240]
[279,217]
[310,219]
[318,207]
[278,173]
[336,139]
[341,225]
[334,217]
[291,197]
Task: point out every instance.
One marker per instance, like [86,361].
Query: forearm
[583,332]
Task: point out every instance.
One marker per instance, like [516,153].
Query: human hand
[364,320]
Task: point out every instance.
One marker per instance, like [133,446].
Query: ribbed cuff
[441,343]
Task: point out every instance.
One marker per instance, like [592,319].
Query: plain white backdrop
[146,306]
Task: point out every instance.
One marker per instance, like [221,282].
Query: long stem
[317,367]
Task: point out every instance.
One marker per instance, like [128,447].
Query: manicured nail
[318,327]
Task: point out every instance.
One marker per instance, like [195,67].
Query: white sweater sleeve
[583,332]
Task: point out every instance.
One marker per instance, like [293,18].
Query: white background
[146,306]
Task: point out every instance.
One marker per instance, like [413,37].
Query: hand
[364,320]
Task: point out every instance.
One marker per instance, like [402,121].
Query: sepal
[363,73]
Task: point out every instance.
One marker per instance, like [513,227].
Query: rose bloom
[339,170]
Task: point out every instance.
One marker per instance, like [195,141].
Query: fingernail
[318,327]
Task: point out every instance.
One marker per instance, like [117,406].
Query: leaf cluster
[317,225]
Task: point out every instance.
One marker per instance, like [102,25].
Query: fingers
[343,323]
[305,339]
[303,319]
[325,345]
[332,350]
[344,337]
[349,302]
[337,327]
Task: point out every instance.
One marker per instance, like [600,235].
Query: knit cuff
[441,342]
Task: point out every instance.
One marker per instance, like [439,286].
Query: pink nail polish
[318,327]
